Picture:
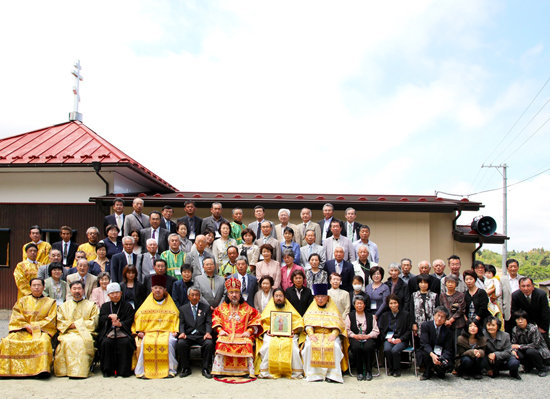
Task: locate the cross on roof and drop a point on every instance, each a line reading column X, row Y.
column 75, row 115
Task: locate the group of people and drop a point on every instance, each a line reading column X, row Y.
column 265, row 300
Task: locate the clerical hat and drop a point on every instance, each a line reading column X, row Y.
column 320, row 289
column 233, row 284
column 157, row 279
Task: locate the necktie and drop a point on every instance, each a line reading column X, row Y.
column 437, row 334
column 153, row 235
column 350, row 231
column 528, row 300
column 338, row 269
column 65, row 250
column 119, row 221
column 305, row 228
column 195, row 312
column 259, row 230
column 244, row 284
column 310, row 250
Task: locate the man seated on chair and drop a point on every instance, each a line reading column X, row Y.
column 325, row 352
column 274, row 349
column 436, row 343
column 156, row 324
column 195, row 329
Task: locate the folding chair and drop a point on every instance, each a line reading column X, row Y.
column 377, row 364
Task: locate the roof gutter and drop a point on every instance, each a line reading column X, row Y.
column 97, row 168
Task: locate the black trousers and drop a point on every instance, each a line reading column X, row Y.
column 470, row 365
column 124, row 349
column 530, row 358
column 183, row 350
column 362, row 356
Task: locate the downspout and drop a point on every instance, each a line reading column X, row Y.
column 454, row 220
column 474, row 253
column 97, row 168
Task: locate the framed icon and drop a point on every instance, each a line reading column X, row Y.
column 281, row 324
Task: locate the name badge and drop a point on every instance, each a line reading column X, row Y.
column 178, row 272
column 245, row 296
column 373, row 305
column 389, row 335
column 152, row 272
column 192, row 235
column 438, row 350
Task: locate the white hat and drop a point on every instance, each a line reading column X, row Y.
column 113, row 287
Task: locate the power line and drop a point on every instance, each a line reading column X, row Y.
column 529, row 138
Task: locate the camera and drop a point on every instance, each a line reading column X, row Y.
column 444, row 362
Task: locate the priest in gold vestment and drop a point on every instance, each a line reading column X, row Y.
column 156, row 325
column 325, row 351
column 76, row 322
column 43, row 247
column 279, row 356
column 236, row 323
column 26, row 270
column 27, row 350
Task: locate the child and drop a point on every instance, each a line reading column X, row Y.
column 494, row 292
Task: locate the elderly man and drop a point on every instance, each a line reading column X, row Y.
column 351, row 227
column 121, row 260
column 26, row 270
column 160, row 270
column 534, row 302
column 273, row 348
column 76, row 322
column 343, row 268
column 89, row 281
column 324, row 224
column 174, row 257
column 454, row 265
column 306, row 225
column 256, row 226
column 195, row 329
column 439, row 269
column 338, row 240
column 436, row 344
column 311, row 247
column 266, row 238
column 136, row 220
column 284, row 217
column 424, row 269
column 237, row 225
column 510, row 284
column 230, row 267
column 89, row 248
column 115, row 341
column 93, row 267
column 213, row 222
column 237, row 323
column 42, row 247
column 192, row 222
column 166, row 221
column 117, row 218
column 66, row 247
column 27, row 350
column 155, row 232
column 362, row 265
column 145, row 262
column 325, row 351
column 198, row 253
column 156, row 325
column 210, row 284
column 364, row 234
column 406, row 266
column 249, row 283
column 55, row 257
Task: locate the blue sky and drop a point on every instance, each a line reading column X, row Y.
column 323, row 97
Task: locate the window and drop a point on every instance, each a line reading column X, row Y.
column 4, row 247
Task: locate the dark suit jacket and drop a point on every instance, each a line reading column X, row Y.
column 171, row 226
column 146, row 286
column 209, row 223
column 251, row 287
column 347, row 273
column 403, row 325
column 481, row 301
column 197, row 221
column 118, row 262
column 428, row 339
column 435, row 285
column 538, row 312
column 301, row 304
column 162, row 239
column 321, row 224
column 203, row 324
column 138, row 291
column 72, row 251
column 356, row 228
column 402, row 291
column 111, row 219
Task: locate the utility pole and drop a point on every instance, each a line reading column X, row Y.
column 504, row 211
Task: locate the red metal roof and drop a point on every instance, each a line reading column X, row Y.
column 71, row 143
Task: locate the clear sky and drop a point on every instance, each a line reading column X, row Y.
column 371, row 97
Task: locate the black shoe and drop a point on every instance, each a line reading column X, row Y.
column 424, row 377
column 478, row 377
column 465, row 377
column 397, row 373
column 369, row 376
column 106, row 375
column 543, row 373
column 185, row 373
column 206, row 373
column 516, row 376
column 360, row 377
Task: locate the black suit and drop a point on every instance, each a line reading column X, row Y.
column 538, row 311
column 195, row 331
column 197, row 223
column 303, row 302
column 251, row 287
column 111, row 219
column 146, row 287
column 347, row 273
column 428, row 340
column 118, row 263
column 435, row 285
column 356, row 228
column 321, row 224
column 137, row 291
column 168, row 225
column 71, row 251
